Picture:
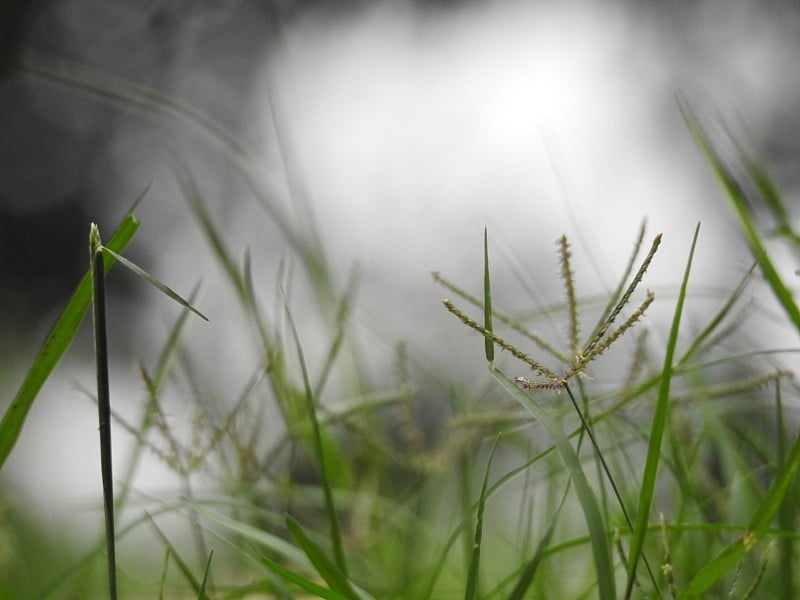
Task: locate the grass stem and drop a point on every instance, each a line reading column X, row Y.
column 103, row 399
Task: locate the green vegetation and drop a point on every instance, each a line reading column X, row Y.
column 673, row 480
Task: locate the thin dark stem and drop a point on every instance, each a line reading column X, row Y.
column 607, row 471
column 104, row 410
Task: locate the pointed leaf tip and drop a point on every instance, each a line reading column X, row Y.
column 487, row 299
column 95, row 243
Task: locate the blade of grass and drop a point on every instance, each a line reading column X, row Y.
column 271, row 586
column 155, row 282
column 647, row 490
column 738, row 200
column 586, row 497
column 487, row 303
column 718, row 317
column 58, row 341
column 591, row 511
column 248, row 532
column 474, row 567
column 164, row 569
column 606, row 470
column 103, row 399
column 201, row 594
column 330, row 507
column 786, row 514
column 330, row 572
column 303, row 582
column 182, row 565
column 194, row 199
column 466, row 521
column 343, row 309
column 769, row 193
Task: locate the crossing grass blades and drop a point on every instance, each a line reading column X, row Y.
column 98, row 270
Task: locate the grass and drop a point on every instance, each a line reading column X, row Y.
column 669, row 474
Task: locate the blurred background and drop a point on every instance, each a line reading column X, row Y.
column 389, row 134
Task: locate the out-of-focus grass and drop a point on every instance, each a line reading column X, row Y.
column 353, row 500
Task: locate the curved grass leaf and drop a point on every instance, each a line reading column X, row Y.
column 740, row 204
column 330, row 572
column 58, row 341
column 303, row 582
column 201, row 593
column 182, row 564
column 321, row 452
column 253, row 534
column 586, row 497
column 155, row 282
column 163, row 584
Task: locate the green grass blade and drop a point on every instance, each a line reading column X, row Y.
column 155, row 282
column 586, row 497
column 329, row 571
column 182, row 565
column 738, row 200
column 769, row 194
column 343, row 310
column 475, row 562
column 303, row 582
column 487, row 299
column 718, row 318
column 57, row 343
column 466, row 522
column 201, row 594
column 319, row 448
column 164, row 570
column 647, row 490
column 120, row 92
column 213, row 237
column 786, row 514
column 777, row 492
column 248, row 532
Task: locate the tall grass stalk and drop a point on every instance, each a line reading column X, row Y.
column 103, row 400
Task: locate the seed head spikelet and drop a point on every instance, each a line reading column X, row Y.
column 569, row 285
column 601, row 331
column 472, row 324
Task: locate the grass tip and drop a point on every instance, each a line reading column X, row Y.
column 95, row 243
